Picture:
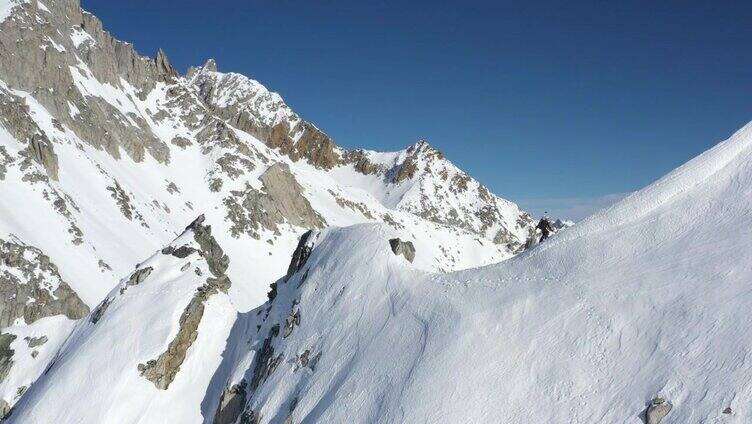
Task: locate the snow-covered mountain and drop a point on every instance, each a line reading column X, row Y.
column 188, row 249
column 639, row 312
column 106, row 155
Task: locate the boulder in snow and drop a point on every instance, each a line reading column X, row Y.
column 657, row 410
column 404, row 248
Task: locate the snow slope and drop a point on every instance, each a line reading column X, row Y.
column 646, row 299
column 135, row 324
column 105, row 155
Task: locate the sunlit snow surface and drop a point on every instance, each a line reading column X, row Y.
column 648, row 298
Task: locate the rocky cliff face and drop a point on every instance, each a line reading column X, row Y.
column 105, row 154
column 31, row 287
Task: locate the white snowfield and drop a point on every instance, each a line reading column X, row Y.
column 649, row 298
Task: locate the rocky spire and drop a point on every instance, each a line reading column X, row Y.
column 164, row 68
column 210, row 65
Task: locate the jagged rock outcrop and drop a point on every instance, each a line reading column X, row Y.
column 31, row 287
column 231, row 404
column 657, row 410
column 77, row 50
column 16, row 118
column 6, row 354
column 281, row 200
column 162, row 371
column 302, row 252
column 291, row 321
column 100, row 310
column 139, row 276
column 266, row 361
column 164, row 69
column 404, row 248
column 43, row 153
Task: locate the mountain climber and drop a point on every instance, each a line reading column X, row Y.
column 545, row 226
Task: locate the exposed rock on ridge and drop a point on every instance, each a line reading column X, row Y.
column 403, row 248
column 163, row 370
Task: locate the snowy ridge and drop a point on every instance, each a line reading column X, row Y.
column 105, row 155
column 117, row 354
column 591, row 326
column 233, row 89
column 389, row 301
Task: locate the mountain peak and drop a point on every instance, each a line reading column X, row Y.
column 424, row 148
column 210, row 65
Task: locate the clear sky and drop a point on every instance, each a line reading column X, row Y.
column 552, row 105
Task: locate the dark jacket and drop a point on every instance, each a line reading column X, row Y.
column 545, row 226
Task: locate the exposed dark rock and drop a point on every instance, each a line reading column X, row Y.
column 290, row 322
column 356, row 206
column 727, row 410
column 280, row 201
column 139, row 276
column 124, row 202
column 183, row 252
column 165, row 71
column 6, row 354
column 5, row 160
column 657, row 410
column 210, row 249
column 43, row 153
column 404, row 248
column 162, row 371
column 104, row 265
column 231, row 404
column 406, row 170
column 4, row 409
column 172, row 188
column 301, row 253
column 35, row 341
column 266, row 362
column 293, row 404
column 100, row 310
column 361, row 163
column 233, row 165
column 272, row 293
column 31, row 287
column 304, row 360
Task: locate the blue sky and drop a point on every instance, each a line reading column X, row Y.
column 551, row 106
